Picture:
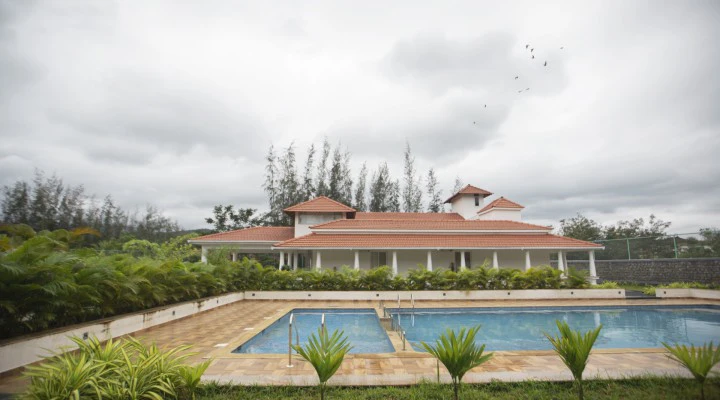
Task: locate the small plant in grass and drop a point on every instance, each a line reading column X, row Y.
column 458, row 353
column 574, row 348
column 699, row 361
column 325, row 353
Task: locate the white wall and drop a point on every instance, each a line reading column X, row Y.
column 464, row 205
column 512, row 215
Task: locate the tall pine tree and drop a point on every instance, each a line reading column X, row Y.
column 308, row 188
column 321, row 185
column 360, row 203
column 411, row 193
column 380, row 188
column 435, row 203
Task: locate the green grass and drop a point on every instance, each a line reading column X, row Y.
column 645, row 389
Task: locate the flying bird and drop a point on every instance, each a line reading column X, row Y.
column 531, row 50
column 485, row 105
column 527, row 89
column 519, row 91
column 527, row 45
column 533, row 57
column 545, row 65
column 516, row 76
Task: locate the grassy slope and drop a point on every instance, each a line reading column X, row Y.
column 645, row 389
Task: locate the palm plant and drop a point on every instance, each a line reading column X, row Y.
column 574, row 348
column 458, row 353
column 325, row 353
column 699, row 361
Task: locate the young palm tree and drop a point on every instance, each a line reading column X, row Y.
column 574, row 349
column 459, row 353
column 699, row 361
column 325, row 353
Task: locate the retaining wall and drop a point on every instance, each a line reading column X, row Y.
column 655, row 271
column 27, row 349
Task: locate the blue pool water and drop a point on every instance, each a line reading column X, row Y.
column 361, row 326
column 522, row 328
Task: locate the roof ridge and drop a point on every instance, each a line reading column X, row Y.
column 348, row 208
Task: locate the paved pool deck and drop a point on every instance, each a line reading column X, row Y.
column 215, row 333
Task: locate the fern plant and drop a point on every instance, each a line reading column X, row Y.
column 698, row 360
column 458, row 353
column 325, row 353
column 574, row 348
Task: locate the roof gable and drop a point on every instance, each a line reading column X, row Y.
column 469, row 189
column 500, row 202
column 320, row 204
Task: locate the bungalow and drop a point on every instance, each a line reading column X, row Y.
column 329, row 234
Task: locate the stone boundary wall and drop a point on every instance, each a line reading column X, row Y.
column 655, row 271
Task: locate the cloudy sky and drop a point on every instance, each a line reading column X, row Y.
column 175, row 103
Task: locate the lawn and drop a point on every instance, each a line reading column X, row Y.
column 645, row 389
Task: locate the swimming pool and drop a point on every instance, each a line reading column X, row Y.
column 522, row 328
column 362, row 327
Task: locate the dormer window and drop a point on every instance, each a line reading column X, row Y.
column 477, row 200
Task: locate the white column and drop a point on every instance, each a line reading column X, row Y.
column 527, row 260
column 281, row 262
column 357, row 260
column 495, row 260
column 203, row 254
column 593, row 272
column 561, row 263
column 462, row 261
column 234, row 256
column 567, row 266
column 394, row 263
column 295, row 261
column 318, row 260
column 429, row 261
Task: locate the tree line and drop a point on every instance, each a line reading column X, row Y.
column 48, row 203
column 327, row 172
column 645, row 238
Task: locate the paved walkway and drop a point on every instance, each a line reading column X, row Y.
column 215, row 333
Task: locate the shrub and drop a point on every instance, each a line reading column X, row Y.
column 699, row 361
column 574, row 349
column 608, row 285
column 325, row 353
column 124, row 369
column 458, row 353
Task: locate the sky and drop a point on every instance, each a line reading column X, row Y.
column 175, row 103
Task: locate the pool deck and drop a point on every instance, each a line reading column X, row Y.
column 215, row 333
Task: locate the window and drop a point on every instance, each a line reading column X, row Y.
column 315, row 219
column 377, row 259
column 477, row 200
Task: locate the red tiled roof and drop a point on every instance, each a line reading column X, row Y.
column 320, row 204
column 434, row 241
column 470, row 189
column 255, row 234
column 409, row 216
column 501, row 203
column 429, row 225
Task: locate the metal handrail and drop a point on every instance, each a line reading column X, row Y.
column 290, row 325
column 412, row 301
column 322, row 322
